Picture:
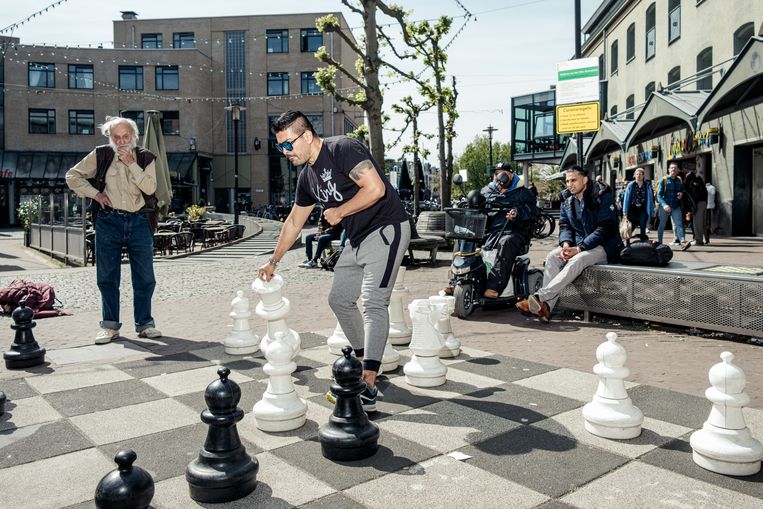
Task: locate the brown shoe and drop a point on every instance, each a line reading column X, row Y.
column 448, row 290
column 490, row 294
column 523, row 306
column 685, row 246
column 539, row 308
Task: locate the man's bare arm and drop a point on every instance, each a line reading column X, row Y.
column 292, row 227
column 372, row 189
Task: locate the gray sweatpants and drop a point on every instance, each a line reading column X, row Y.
column 368, row 271
column 558, row 274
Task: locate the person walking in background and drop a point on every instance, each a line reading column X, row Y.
column 669, row 193
column 125, row 176
column 695, row 187
column 638, row 203
column 710, row 211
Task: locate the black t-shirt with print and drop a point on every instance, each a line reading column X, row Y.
column 327, row 181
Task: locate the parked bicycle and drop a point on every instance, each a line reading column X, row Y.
column 544, row 226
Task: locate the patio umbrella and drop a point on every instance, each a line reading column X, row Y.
column 406, row 185
column 153, row 140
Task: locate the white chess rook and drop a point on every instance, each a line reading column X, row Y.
column 725, row 444
column 274, row 307
column 612, row 414
column 280, row 408
column 241, row 340
column 399, row 333
column 425, row 369
column 452, row 346
column 337, row 340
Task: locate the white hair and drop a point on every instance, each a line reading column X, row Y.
column 112, row 121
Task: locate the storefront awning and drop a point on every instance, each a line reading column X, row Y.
column 570, row 154
column 665, row 112
column 611, row 137
column 740, row 87
column 37, row 165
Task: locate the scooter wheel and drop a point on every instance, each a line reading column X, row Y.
column 465, row 303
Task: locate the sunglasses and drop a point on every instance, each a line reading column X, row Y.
column 288, row 145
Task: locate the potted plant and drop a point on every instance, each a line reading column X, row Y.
column 28, row 212
column 195, row 212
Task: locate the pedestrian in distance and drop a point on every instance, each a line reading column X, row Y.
column 695, row 187
column 123, row 210
column 342, row 176
column 670, row 191
column 638, row 203
column 711, row 195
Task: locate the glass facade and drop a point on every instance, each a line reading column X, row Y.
column 533, row 133
column 235, row 86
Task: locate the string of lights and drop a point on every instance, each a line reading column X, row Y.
column 13, row 26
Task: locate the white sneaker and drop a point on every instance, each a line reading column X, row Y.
column 105, row 336
column 150, row 333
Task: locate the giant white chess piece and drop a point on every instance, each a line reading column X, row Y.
column 612, row 414
column 274, row 307
column 241, row 340
column 337, row 340
column 399, row 333
column 452, row 346
column 390, row 358
column 425, row 369
column 724, row 444
column 280, row 408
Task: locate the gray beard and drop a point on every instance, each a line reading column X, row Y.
column 132, row 145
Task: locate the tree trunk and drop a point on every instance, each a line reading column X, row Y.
column 444, row 178
column 416, row 183
column 375, row 100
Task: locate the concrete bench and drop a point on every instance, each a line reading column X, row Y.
column 423, row 243
column 692, row 294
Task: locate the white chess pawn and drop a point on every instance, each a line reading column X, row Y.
column 241, row 340
column 390, row 358
column 452, row 346
column 337, row 340
column 274, row 307
column 725, row 444
column 399, row 333
column 612, row 414
column 425, row 369
column 280, row 408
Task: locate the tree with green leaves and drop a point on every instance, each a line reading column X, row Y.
column 476, row 160
column 411, row 112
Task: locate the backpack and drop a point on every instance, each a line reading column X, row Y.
column 39, row 297
column 645, row 252
column 329, row 262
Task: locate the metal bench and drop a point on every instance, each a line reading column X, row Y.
column 693, row 294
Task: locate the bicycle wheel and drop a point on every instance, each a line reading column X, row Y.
column 545, row 227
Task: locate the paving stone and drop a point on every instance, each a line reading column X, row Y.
column 251, row 393
column 102, row 397
column 153, row 366
column 17, row 388
column 457, row 384
column 85, row 377
column 216, row 354
column 431, row 482
column 317, row 415
column 27, row 411
column 335, row 501
column 682, row 409
column 310, row 340
column 194, row 380
column 503, row 368
column 566, row 382
column 39, row 441
column 118, row 349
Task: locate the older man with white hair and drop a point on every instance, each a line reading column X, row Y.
column 122, row 201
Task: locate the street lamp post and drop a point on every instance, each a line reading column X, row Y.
column 236, row 114
column 490, row 130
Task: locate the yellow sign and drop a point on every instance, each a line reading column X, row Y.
column 577, row 118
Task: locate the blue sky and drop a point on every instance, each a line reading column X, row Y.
column 508, row 48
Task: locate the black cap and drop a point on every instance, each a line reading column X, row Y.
column 504, row 167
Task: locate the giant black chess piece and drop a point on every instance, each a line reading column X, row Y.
column 349, row 435
column 127, row 487
column 24, row 352
column 223, row 472
column 2, row 402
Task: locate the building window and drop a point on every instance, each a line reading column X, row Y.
column 602, row 68
column 138, row 117
column 42, row 75
column 277, row 41
column 310, row 39
column 613, row 58
column 742, row 35
column 151, row 41
column 630, row 43
column 42, row 121
column 235, row 88
column 674, row 75
column 674, row 20
column 648, row 90
column 80, row 76
column 167, row 77
column 349, row 126
column 278, row 83
column 629, row 103
column 317, row 121
column 81, row 122
column 171, row 123
column 651, row 32
column 309, row 85
column 613, row 111
column 704, row 63
column 183, row 40
column 130, row 77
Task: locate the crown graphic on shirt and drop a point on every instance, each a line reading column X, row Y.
column 326, row 175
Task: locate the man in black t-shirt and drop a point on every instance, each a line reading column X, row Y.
column 341, row 175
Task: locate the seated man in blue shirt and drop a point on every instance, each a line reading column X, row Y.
column 588, row 235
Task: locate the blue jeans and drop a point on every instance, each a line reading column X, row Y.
column 114, row 230
column 323, row 241
column 676, row 216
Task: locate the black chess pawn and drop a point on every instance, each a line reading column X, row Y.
column 2, row 402
column 24, row 352
column 349, row 435
column 127, row 487
column 223, row 472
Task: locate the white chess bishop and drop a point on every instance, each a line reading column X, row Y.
column 425, row 369
column 337, row 340
column 611, row 413
column 725, row 444
column 274, row 307
column 241, row 340
column 399, row 333
column 451, row 345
